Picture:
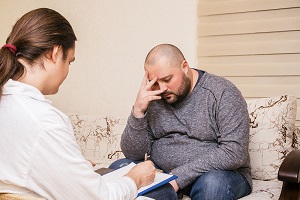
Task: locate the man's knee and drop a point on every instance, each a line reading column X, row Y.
column 120, row 163
column 217, row 183
column 211, row 180
column 211, row 185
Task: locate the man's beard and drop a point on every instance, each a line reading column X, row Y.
column 182, row 92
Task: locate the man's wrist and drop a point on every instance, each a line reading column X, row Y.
column 137, row 114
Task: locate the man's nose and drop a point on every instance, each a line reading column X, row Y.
column 162, row 86
column 158, row 86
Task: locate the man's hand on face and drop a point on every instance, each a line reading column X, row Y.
column 145, row 95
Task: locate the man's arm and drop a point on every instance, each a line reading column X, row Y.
column 136, row 141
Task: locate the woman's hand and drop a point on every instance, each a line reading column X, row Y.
column 142, row 174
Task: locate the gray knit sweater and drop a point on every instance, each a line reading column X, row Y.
column 208, row 130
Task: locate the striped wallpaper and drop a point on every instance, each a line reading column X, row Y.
column 253, row 43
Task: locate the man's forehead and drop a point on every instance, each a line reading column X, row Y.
column 160, row 72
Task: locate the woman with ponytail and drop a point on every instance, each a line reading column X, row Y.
column 39, row 154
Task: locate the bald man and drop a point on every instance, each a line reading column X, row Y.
column 193, row 124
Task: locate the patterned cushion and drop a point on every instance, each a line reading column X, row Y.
column 99, row 137
column 271, row 134
column 264, row 190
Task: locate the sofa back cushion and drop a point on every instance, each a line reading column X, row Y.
column 99, row 137
column 272, row 134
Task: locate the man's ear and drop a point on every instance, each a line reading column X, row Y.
column 185, row 66
column 54, row 53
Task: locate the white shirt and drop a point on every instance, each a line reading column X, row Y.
column 39, row 155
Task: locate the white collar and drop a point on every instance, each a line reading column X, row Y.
column 18, row 88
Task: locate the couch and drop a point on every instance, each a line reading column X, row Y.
column 273, row 147
column 273, row 136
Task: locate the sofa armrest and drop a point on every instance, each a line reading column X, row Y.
column 289, row 170
column 289, row 174
column 9, row 196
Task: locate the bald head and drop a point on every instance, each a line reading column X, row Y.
column 166, row 53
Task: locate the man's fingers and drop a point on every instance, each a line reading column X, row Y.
column 149, row 85
column 156, row 92
column 151, row 98
column 145, row 80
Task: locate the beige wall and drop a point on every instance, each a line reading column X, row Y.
column 114, row 37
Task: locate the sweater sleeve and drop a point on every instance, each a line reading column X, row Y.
column 135, row 140
column 231, row 152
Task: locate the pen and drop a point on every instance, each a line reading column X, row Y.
column 147, row 156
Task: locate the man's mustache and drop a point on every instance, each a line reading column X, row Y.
column 166, row 93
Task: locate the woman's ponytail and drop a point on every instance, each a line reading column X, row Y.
column 33, row 35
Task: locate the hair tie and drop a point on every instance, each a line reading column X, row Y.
column 11, row 47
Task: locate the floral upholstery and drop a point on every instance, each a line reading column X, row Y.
column 272, row 123
column 272, row 136
column 263, row 190
column 99, row 137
